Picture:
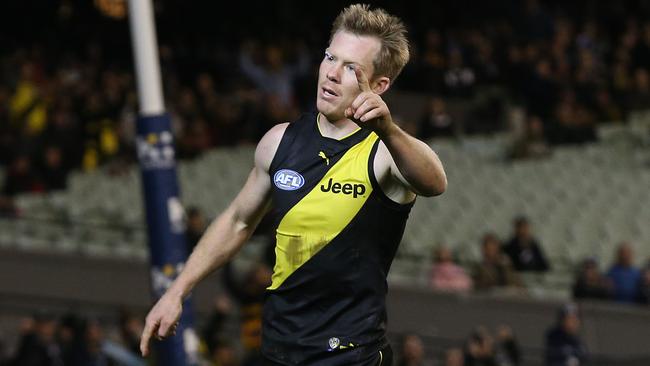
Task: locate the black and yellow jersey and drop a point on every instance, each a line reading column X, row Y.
column 336, row 236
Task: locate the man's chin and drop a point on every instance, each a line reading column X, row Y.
column 328, row 111
column 332, row 117
column 324, row 109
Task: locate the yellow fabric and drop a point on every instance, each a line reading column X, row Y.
column 22, row 98
column 108, row 139
column 320, row 216
column 90, row 159
column 24, row 101
column 37, row 119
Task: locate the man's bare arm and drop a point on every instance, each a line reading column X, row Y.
column 223, row 238
column 412, row 162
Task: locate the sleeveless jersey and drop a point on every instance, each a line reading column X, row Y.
column 336, row 237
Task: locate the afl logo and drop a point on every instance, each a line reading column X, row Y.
column 288, row 180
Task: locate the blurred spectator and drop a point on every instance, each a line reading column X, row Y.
column 436, row 121
column 130, row 327
column 495, row 269
column 7, row 207
column 542, row 89
column 590, row 283
column 196, row 225
column 532, row 143
column 249, row 293
column 644, row 285
column 92, row 354
column 38, row 345
column 21, row 177
column 101, row 350
column 26, row 107
column 212, row 333
column 479, row 349
column 274, row 75
column 573, row 122
column 64, row 131
column 432, row 63
column 535, row 21
column 459, row 79
column 563, row 344
column 606, row 108
column 70, row 337
column 225, row 354
column 412, row 352
column 524, row 250
column 624, row 275
column 641, row 51
column 447, row 275
column 54, row 171
column 194, row 139
column 483, row 349
column 507, row 347
column 639, row 97
column 454, row 357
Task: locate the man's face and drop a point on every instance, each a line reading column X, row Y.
column 337, row 82
column 413, row 349
column 523, row 230
column 491, row 250
column 625, row 256
column 571, row 324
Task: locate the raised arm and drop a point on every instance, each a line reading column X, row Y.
column 223, row 238
column 410, row 161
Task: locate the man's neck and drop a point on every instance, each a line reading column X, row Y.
column 338, row 129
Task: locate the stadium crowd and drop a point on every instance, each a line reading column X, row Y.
column 73, row 339
column 68, row 102
column 502, row 265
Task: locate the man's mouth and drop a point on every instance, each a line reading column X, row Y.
column 328, row 92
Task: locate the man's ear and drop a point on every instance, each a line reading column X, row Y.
column 380, row 85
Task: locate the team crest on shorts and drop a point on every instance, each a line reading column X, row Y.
column 288, row 180
column 334, row 342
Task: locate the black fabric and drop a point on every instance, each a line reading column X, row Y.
column 340, row 292
column 382, row 358
column 375, row 184
column 331, row 310
column 299, row 151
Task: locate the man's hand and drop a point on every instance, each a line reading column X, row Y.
column 368, row 110
column 162, row 320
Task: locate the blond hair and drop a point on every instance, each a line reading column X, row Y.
column 360, row 20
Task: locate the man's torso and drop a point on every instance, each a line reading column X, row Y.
column 336, row 236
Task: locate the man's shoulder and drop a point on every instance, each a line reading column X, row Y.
column 276, row 132
column 268, row 145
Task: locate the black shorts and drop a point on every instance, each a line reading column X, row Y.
column 383, row 358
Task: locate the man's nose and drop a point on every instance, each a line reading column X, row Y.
column 333, row 74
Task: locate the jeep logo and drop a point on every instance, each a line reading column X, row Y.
column 354, row 189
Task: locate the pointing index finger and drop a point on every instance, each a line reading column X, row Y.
column 146, row 337
column 362, row 80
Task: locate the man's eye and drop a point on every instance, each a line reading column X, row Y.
column 349, row 67
column 329, row 57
